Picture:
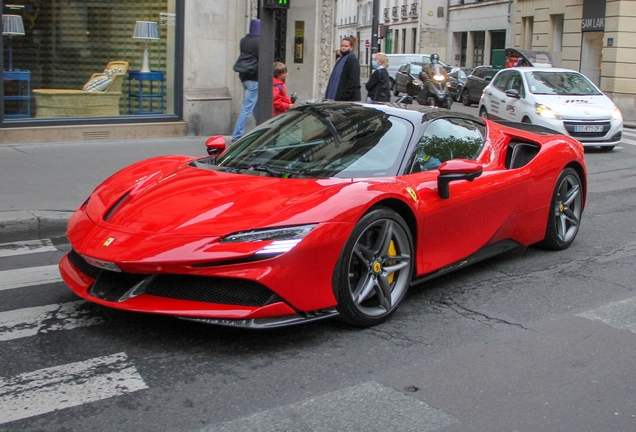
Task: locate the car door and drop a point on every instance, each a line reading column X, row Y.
column 495, row 96
column 402, row 77
column 483, row 79
column 454, row 228
column 514, row 100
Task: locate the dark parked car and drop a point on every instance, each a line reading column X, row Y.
column 407, row 79
column 475, row 83
column 457, row 80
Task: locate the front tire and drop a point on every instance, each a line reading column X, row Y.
column 374, row 270
column 566, row 209
column 483, row 113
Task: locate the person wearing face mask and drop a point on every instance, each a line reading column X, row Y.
column 344, row 82
column 379, row 85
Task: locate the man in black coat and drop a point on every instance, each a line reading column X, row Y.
column 249, row 46
column 344, row 82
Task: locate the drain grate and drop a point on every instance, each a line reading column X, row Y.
column 96, row 135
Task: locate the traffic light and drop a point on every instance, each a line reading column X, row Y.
column 276, row 4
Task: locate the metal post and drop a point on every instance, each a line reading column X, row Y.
column 266, row 66
column 375, row 28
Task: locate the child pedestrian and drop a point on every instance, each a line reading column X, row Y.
column 282, row 102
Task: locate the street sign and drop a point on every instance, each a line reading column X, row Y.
column 367, row 44
column 276, row 4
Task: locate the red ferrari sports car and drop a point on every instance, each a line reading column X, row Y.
column 330, row 209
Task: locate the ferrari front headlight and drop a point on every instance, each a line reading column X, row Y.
column 282, row 239
column 545, row 112
column 616, row 114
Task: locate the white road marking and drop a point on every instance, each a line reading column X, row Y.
column 377, row 407
column 21, row 323
column 26, row 247
column 620, row 314
column 46, row 390
column 18, row 278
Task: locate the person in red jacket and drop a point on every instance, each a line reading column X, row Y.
column 282, row 102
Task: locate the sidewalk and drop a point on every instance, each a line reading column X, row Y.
column 43, row 183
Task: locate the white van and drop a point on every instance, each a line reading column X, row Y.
column 397, row 60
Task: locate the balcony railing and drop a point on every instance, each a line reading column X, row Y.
column 413, row 12
column 386, row 14
column 395, row 12
column 405, row 11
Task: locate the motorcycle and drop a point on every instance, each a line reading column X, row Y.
column 436, row 92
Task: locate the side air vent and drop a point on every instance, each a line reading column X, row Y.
column 114, row 207
column 520, row 153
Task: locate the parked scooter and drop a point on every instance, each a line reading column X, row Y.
column 436, row 92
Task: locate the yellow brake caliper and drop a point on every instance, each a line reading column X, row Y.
column 392, row 252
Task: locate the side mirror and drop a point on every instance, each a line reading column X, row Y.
column 216, row 145
column 513, row 93
column 488, row 78
column 454, row 170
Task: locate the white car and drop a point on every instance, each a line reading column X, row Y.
column 560, row 99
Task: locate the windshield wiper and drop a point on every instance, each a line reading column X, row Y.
column 270, row 170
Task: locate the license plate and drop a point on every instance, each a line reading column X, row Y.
column 106, row 265
column 588, row 128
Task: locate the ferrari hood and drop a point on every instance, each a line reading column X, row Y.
column 189, row 201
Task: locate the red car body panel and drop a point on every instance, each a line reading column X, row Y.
column 163, row 216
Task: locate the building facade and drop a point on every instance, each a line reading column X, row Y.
column 59, row 50
column 594, row 37
column 475, row 28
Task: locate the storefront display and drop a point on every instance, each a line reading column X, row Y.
column 79, row 56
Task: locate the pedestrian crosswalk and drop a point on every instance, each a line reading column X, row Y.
column 629, row 137
column 41, row 391
column 66, row 382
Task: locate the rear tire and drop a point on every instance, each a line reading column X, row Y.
column 458, row 95
column 374, row 270
column 465, row 97
column 566, row 209
column 483, row 113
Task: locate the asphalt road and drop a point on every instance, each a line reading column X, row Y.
column 535, row 341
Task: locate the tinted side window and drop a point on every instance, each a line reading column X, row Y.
column 501, row 81
column 516, row 83
column 446, row 139
column 479, row 72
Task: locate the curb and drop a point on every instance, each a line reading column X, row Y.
column 22, row 225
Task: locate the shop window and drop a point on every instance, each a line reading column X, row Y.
column 67, row 42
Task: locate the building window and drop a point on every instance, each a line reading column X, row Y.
column 67, row 42
column 414, row 33
column 396, row 47
column 557, row 32
column 479, row 42
column 403, row 41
